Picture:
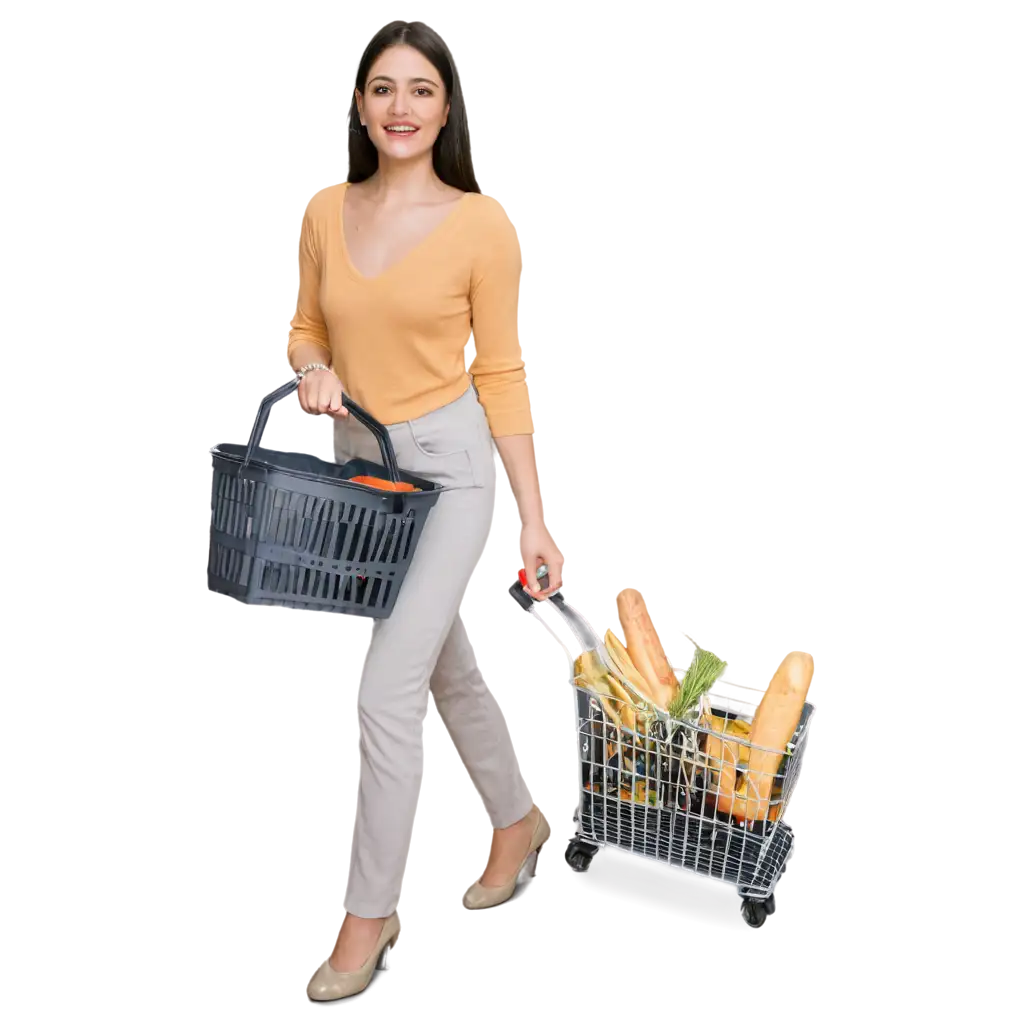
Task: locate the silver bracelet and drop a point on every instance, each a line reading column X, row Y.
column 303, row 370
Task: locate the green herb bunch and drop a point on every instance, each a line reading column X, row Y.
column 704, row 669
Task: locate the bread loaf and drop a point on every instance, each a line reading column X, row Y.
column 777, row 716
column 644, row 647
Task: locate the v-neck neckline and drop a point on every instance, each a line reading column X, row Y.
column 355, row 272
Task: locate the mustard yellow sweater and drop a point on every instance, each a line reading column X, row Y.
column 397, row 341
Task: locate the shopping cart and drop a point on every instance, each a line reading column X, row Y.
column 666, row 788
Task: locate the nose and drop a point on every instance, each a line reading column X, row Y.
column 399, row 106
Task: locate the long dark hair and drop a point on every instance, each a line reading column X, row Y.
column 453, row 163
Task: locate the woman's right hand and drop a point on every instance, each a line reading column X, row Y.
column 320, row 391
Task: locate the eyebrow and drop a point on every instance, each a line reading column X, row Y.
column 385, row 78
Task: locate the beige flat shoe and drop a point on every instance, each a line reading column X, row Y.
column 328, row 983
column 478, row 896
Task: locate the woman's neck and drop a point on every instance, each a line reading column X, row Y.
column 403, row 181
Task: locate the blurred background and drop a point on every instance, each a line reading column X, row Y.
column 771, row 317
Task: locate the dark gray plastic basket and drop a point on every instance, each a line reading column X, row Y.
column 290, row 529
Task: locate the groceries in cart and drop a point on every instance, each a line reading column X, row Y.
column 681, row 743
column 682, row 767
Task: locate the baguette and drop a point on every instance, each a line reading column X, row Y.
column 776, row 718
column 723, row 757
column 644, row 647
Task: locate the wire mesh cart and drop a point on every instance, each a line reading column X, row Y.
column 667, row 788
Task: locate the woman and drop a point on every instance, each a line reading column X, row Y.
column 396, row 265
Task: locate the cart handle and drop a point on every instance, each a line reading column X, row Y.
column 583, row 633
column 379, row 432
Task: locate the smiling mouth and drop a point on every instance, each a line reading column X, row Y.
column 401, row 129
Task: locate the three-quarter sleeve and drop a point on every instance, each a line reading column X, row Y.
column 307, row 326
column 498, row 369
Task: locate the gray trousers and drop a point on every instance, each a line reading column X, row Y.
column 422, row 646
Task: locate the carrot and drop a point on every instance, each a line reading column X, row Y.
column 382, row 484
column 777, row 717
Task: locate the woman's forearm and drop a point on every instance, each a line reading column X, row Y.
column 517, row 453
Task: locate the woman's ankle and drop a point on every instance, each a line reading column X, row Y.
column 358, row 929
column 355, row 942
column 530, row 815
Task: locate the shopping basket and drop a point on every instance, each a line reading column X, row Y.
column 290, row 529
column 658, row 789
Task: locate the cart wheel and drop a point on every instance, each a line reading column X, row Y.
column 578, row 857
column 769, row 904
column 754, row 913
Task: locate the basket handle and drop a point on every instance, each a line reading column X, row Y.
column 380, row 432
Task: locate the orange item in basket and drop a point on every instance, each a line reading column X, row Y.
column 384, row 485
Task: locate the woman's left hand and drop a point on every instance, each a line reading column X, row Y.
column 539, row 549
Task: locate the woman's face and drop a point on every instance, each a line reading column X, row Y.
column 404, row 105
